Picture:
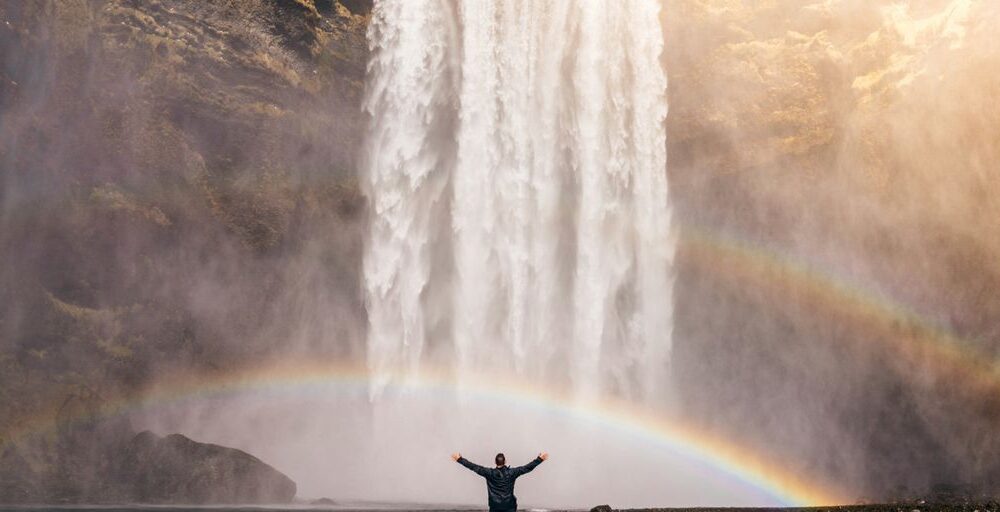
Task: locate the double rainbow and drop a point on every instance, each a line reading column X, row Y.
column 916, row 342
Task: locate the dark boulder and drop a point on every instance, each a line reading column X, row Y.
column 175, row 469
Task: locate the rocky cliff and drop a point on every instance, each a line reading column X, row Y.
column 834, row 169
column 179, row 189
column 169, row 170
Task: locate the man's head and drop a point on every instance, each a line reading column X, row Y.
column 500, row 460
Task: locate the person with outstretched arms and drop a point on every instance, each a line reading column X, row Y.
column 500, row 480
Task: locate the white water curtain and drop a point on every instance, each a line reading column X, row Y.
column 516, row 171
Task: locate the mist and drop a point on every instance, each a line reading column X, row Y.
column 191, row 188
column 847, row 143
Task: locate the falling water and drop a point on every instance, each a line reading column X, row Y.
column 520, row 225
column 516, row 171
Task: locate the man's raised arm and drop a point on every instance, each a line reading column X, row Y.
column 520, row 470
column 457, row 457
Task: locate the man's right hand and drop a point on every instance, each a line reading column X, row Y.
column 455, row 456
column 543, row 456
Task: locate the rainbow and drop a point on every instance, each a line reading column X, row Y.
column 728, row 261
column 685, row 439
column 913, row 342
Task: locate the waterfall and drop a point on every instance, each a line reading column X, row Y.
column 515, row 166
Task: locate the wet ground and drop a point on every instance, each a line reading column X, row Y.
column 987, row 506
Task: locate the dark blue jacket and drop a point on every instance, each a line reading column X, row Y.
column 500, row 482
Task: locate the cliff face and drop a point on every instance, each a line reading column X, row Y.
column 834, row 171
column 169, row 170
column 178, row 188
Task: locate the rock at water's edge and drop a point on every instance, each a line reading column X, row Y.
column 175, row 469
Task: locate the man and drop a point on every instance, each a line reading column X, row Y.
column 500, row 480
